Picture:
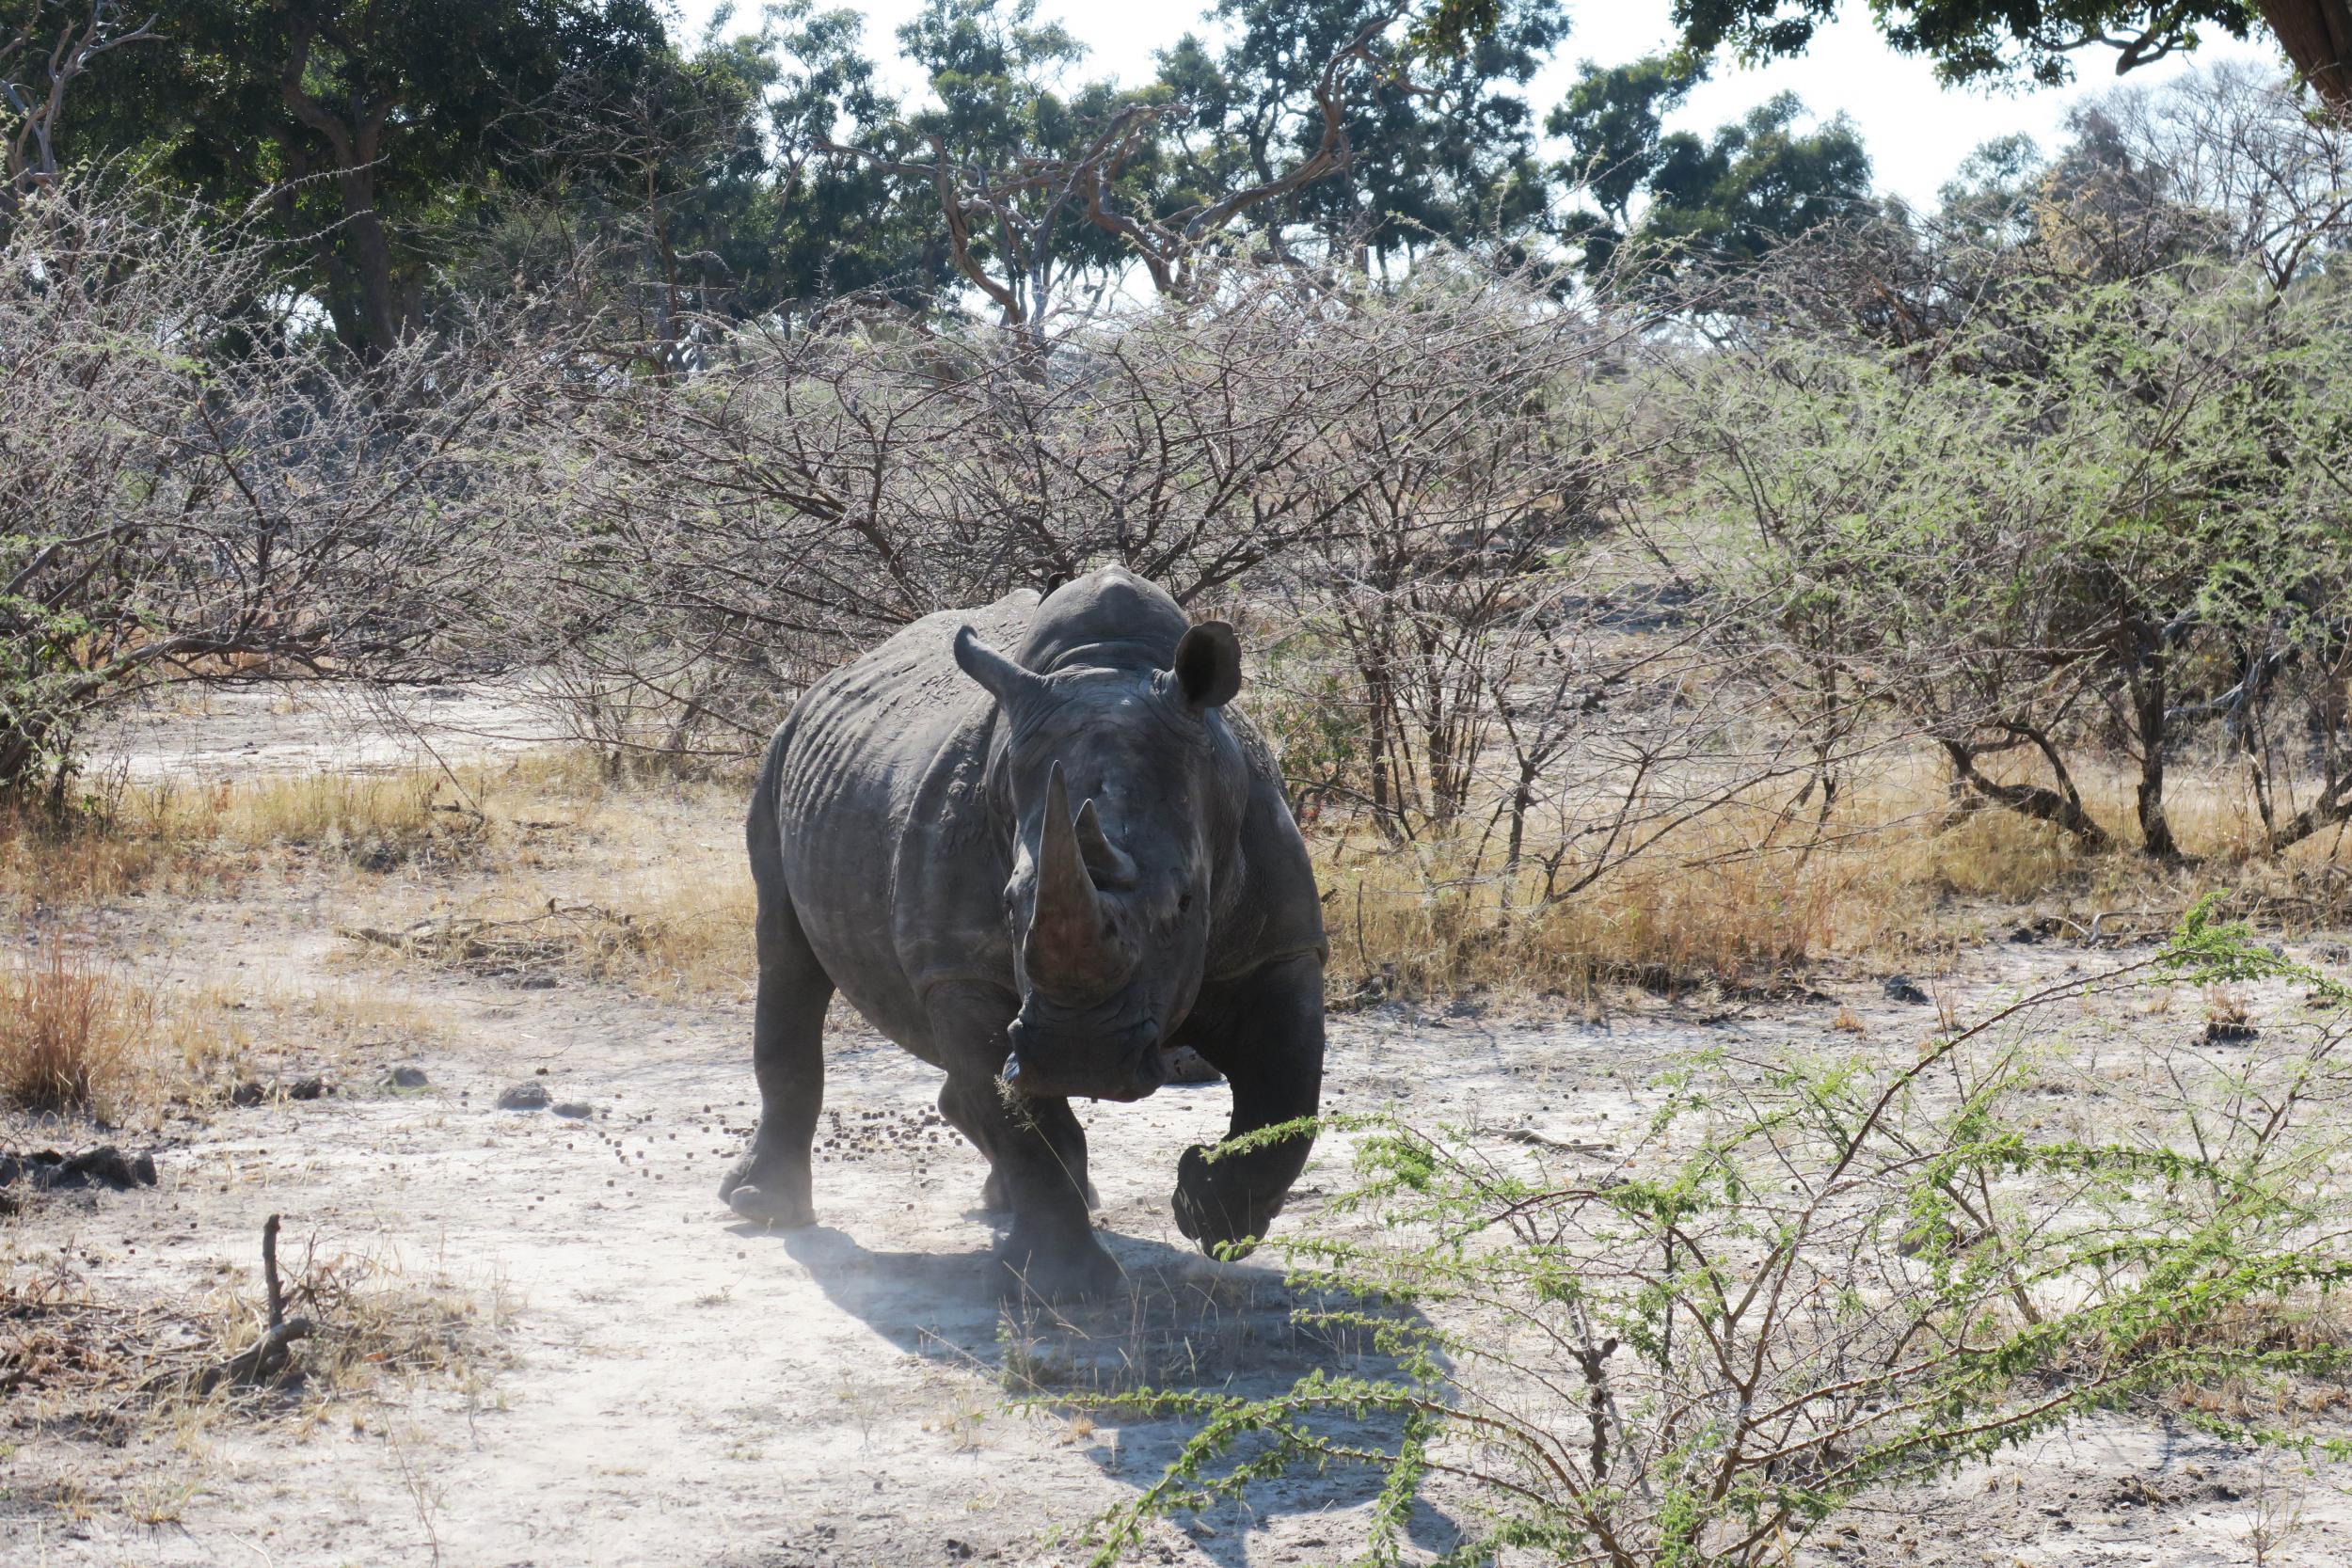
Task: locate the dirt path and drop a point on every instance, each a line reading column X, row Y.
column 305, row 728
column 669, row 1387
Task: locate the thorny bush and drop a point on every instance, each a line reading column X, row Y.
column 196, row 486
column 1811, row 1279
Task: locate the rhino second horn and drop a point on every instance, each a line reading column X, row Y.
column 1106, row 861
column 1067, row 950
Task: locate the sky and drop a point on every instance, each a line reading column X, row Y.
column 1917, row 132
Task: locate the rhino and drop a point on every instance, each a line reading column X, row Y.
column 915, row 847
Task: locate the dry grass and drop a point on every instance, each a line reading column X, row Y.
column 191, row 840
column 1734, row 899
column 649, row 867
column 80, row 1035
column 68, row 1031
column 374, row 1318
column 639, row 881
column 74, row 1352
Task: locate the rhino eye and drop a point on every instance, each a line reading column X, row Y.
column 1184, row 902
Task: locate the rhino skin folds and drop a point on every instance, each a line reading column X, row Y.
column 1034, row 845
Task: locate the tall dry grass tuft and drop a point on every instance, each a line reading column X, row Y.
column 1423, row 921
column 70, row 1031
column 633, row 875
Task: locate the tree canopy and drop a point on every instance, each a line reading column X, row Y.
column 399, row 147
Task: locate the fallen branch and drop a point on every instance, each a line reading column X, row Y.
column 267, row 1357
column 496, row 945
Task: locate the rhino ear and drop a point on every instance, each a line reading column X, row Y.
column 1000, row 676
column 1208, row 666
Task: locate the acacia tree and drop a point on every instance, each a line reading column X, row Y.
column 2034, row 533
column 1713, row 204
column 1006, row 160
column 356, row 121
column 1454, row 129
column 1977, row 39
column 659, row 170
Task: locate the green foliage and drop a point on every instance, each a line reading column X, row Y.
column 1665, row 203
column 1444, row 144
column 1975, row 39
column 1811, row 1279
column 357, row 126
column 2079, row 494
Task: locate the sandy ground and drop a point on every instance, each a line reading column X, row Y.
column 655, row 1382
column 264, row 728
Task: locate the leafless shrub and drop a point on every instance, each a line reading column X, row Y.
column 2241, row 143
column 721, row 540
column 211, row 492
column 41, row 55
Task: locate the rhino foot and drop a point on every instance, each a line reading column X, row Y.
column 1079, row 1272
column 760, row 1207
column 1224, row 1221
column 765, row 1189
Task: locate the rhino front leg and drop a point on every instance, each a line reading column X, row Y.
column 1264, row 1033
column 1036, row 1151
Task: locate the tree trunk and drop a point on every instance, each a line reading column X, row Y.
column 2148, row 687
column 369, row 245
column 1521, row 799
column 2064, row 812
column 354, row 145
column 2318, row 37
column 1387, row 806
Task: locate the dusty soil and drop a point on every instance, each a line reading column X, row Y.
column 232, row 730
column 653, row 1382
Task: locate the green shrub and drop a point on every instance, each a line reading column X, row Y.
column 1812, row 1279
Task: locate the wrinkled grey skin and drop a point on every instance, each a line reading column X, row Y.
column 1038, row 872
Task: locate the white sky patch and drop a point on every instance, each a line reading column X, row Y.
column 1915, row 130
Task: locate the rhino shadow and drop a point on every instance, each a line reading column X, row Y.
column 1182, row 1323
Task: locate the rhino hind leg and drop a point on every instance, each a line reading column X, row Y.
column 770, row 1185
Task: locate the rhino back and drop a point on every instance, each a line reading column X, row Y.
column 880, row 780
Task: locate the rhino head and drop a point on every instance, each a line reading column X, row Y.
column 1109, row 900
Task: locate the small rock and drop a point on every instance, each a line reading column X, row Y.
column 535, row 982
column 307, row 1088
column 1903, row 988
column 2332, row 952
column 528, row 1096
column 405, row 1078
column 579, row 1110
column 102, row 1167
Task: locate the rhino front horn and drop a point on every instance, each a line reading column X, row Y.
column 1068, row 950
